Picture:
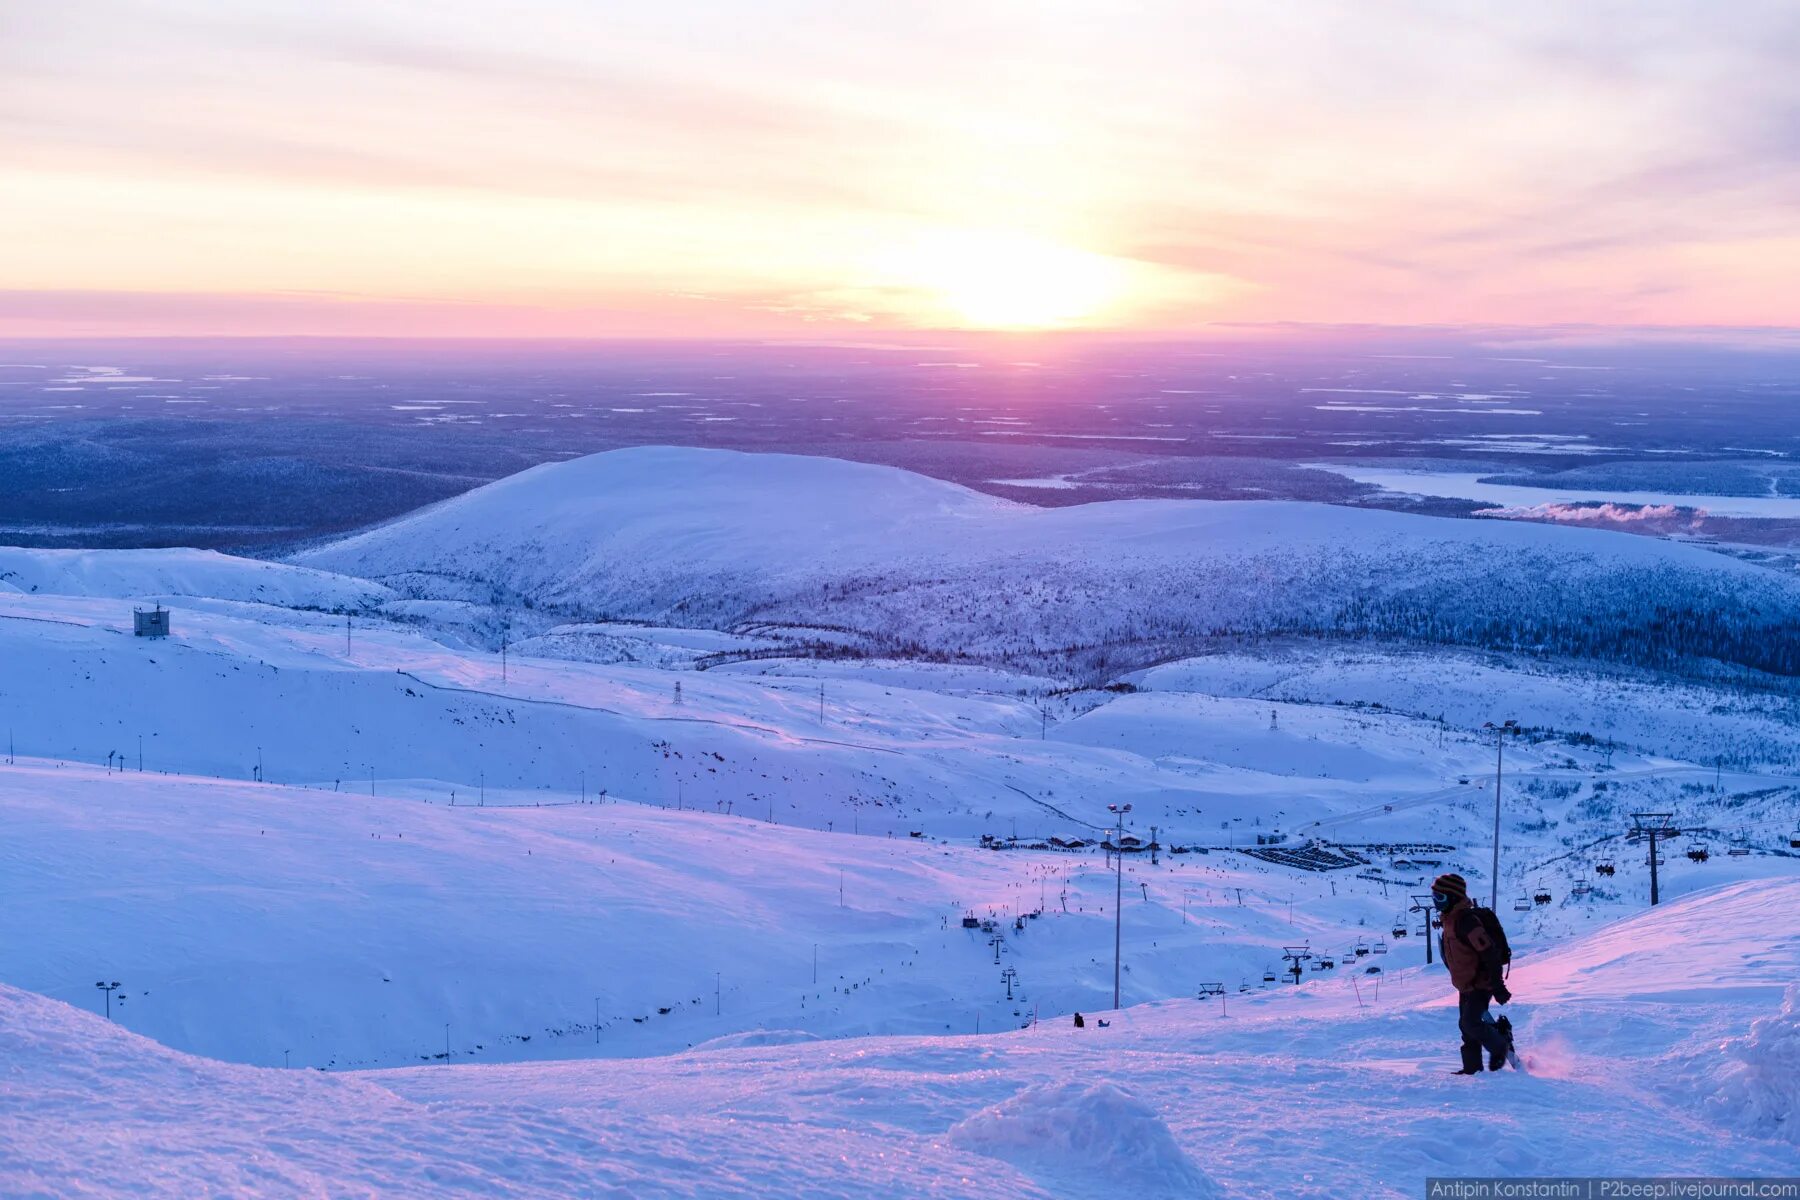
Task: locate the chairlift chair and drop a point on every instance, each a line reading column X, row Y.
column 1606, row 868
column 1581, row 889
column 1522, row 904
column 1541, row 898
column 1360, row 951
column 1699, row 853
column 1330, row 964
column 1268, row 976
column 1794, row 840
column 1380, row 946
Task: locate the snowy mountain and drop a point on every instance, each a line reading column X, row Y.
column 898, row 563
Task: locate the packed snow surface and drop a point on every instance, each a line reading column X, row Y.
column 1334, row 1088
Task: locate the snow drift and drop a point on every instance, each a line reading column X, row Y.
column 1759, row 1091
column 1086, row 1129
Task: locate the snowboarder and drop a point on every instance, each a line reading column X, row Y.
column 1078, row 1021
column 1474, row 951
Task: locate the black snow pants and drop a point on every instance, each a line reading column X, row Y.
column 1477, row 1034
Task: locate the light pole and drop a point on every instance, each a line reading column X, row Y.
column 1118, row 811
column 1500, row 732
column 109, row 989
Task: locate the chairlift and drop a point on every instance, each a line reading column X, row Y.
column 1699, row 853
column 1581, row 889
column 1269, row 976
column 1541, row 898
column 1318, row 964
column 1794, row 840
column 1361, row 951
column 1606, row 868
column 1738, row 851
column 1522, row 904
column 1400, row 931
column 1380, row 946
column 1330, row 964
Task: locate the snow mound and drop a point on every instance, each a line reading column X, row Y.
column 753, row 1038
column 1760, row 1090
column 1080, row 1129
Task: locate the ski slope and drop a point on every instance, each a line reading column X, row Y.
column 1330, row 1090
column 539, row 880
column 316, row 703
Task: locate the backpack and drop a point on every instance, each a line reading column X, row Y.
column 1490, row 921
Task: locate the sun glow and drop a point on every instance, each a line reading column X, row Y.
column 1009, row 281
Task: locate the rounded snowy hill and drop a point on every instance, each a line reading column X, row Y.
column 913, row 564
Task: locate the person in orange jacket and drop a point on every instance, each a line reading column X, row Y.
column 1475, row 962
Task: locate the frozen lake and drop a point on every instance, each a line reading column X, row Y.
column 1461, row 485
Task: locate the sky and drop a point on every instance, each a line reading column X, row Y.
column 809, row 168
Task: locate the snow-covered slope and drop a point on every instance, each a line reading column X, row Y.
column 1332, row 1089
column 155, row 574
column 717, row 537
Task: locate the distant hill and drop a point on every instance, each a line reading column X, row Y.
column 915, row 566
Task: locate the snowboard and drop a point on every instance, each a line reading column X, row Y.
column 1505, row 1027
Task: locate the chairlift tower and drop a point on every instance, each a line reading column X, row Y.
column 1652, row 825
column 1424, row 907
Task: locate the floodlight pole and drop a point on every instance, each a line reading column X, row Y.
column 1500, row 732
column 109, row 989
column 1119, row 811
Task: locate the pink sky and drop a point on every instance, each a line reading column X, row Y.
column 776, row 168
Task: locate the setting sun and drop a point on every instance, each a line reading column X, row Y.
column 1003, row 280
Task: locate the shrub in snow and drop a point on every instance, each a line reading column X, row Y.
column 1088, row 1129
column 1759, row 1092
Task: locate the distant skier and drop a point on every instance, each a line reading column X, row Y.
column 1079, row 1023
column 1474, row 950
